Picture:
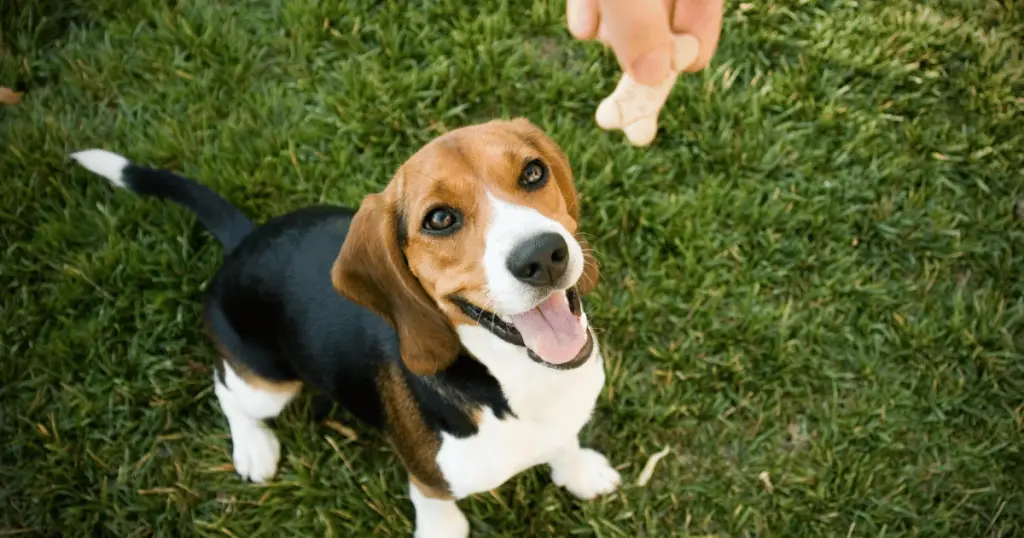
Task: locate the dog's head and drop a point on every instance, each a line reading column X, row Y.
column 479, row 227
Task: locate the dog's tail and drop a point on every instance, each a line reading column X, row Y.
column 225, row 221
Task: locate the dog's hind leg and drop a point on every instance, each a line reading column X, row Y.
column 247, row 400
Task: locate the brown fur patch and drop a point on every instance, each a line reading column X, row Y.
column 261, row 383
column 429, row 492
column 415, row 443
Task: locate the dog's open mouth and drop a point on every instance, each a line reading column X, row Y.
column 552, row 331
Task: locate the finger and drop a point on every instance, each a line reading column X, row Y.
column 638, row 32
column 703, row 20
column 582, row 18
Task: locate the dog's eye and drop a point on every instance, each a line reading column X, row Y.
column 440, row 219
column 534, row 175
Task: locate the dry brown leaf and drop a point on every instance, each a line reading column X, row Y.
column 9, row 96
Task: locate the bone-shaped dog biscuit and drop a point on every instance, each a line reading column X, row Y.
column 634, row 108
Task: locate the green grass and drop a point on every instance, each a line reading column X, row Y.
column 814, row 273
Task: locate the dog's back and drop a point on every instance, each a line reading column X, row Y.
column 274, row 314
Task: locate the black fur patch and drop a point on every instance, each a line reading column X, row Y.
column 448, row 398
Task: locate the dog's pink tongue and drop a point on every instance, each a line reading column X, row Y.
column 551, row 330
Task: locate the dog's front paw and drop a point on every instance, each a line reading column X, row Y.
column 587, row 474
column 256, row 453
column 442, row 524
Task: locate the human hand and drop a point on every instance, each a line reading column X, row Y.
column 640, row 32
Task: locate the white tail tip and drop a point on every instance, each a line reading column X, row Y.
column 102, row 162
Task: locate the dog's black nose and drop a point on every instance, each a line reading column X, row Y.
column 540, row 260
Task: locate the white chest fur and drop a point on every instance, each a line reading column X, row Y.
column 550, row 406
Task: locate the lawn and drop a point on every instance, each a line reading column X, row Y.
column 811, row 288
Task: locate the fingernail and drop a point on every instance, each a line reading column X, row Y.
column 653, row 67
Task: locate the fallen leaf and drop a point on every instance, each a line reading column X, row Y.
column 9, row 96
column 648, row 470
column 767, row 481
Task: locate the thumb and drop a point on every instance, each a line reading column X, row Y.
column 638, row 32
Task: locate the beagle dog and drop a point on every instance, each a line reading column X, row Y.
column 446, row 311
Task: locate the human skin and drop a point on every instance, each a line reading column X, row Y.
column 640, row 32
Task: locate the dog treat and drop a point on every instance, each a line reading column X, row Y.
column 634, row 108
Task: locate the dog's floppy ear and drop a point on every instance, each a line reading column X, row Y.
column 562, row 171
column 371, row 271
